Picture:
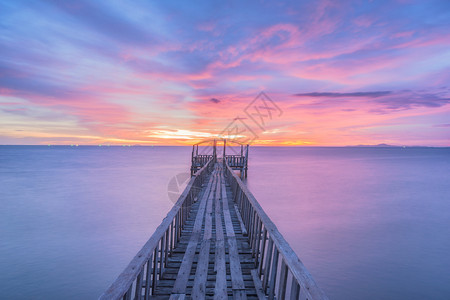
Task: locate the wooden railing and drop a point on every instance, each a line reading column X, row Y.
column 140, row 277
column 235, row 160
column 201, row 160
column 280, row 271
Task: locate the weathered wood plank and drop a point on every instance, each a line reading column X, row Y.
column 220, row 290
column 237, row 281
column 244, row 230
column 186, row 265
column 258, row 285
column 201, row 273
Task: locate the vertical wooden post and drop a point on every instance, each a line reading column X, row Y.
column 283, row 280
column 166, row 248
column 295, row 289
column 246, row 161
column 214, row 152
column 267, row 264
column 258, row 244
column 192, row 160
column 171, row 239
column 224, row 147
column 263, row 250
column 155, row 268
column 127, row 296
column 148, row 277
column 273, row 275
column 161, row 256
column 138, row 290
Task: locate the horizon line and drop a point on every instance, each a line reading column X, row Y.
column 256, row 145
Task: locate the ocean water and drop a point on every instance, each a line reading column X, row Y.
column 368, row 223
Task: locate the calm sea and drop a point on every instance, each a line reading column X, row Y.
column 368, row 223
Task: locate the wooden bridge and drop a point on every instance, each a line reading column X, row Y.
column 216, row 243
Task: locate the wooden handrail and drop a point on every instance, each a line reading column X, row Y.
column 263, row 236
column 158, row 247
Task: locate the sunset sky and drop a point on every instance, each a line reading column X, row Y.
column 176, row 72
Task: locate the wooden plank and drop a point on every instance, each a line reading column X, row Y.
column 226, row 213
column 244, row 230
column 199, row 289
column 220, row 290
column 258, row 285
column 177, row 296
column 186, row 265
column 237, row 282
column 239, row 294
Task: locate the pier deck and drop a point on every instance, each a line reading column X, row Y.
column 216, row 243
column 213, row 259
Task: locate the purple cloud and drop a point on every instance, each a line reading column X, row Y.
column 344, row 95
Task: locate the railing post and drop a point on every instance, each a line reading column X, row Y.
column 148, row 278
column 192, row 160
column 273, row 275
column 255, row 233
column 246, row 161
column 258, row 243
column 295, row 289
column 224, row 148
column 127, row 295
column 267, row 264
column 155, row 268
column 283, row 280
column 138, row 291
column 161, row 255
column 263, row 250
column 171, row 245
column 166, row 253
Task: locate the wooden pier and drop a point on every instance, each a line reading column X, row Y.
column 216, row 243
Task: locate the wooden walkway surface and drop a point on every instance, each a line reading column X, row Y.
column 213, row 259
column 215, row 243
